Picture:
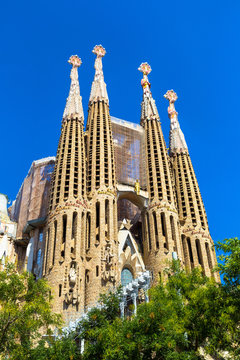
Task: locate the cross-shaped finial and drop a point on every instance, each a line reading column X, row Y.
column 99, row 51
column 75, row 61
column 145, row 68
column 171, row 96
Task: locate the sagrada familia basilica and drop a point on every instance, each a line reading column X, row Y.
column 114, row 206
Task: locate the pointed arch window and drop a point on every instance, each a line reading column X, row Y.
column 126, row 276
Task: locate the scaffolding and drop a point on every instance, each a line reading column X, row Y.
column 129, row 147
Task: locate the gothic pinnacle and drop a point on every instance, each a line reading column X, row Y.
column 177, row 139
column 99, row 90
column 149, row 109
column 74, row 101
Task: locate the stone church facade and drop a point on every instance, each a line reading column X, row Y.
column 113, row 203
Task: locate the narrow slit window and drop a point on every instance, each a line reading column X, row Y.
column 149, row 233
column 47, row 246
column 208, row 256
column 64, row 233
column 199, row 253
column 163, row 224
column 155, row 229
column 88, row 232
column 54, row 242
column 74, row 232
column 173, row 229
column 107, row 217
column 190, row 250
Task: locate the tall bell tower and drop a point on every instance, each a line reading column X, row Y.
column 161, row 218
column 197, row 243
column 65, row 229
column 102, row 245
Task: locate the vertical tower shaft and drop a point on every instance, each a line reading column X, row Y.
column 101, row 247
column 64, row 249
column 161, row 218
column 195, row 237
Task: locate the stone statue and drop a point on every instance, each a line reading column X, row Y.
column 108, row 256
column 72, row 275
column 137, row 187
column 108, row 273
column 68, row 297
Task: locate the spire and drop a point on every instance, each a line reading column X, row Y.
column 149, row 109
column 74, row 101
column 99, row 90
column 177, row 139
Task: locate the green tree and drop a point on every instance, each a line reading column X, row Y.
column 25, row 312
column 186, row 314
column 62, row 348
column 229, row 265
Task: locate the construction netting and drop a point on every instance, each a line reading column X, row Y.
column 32, row 200
column 129, row 147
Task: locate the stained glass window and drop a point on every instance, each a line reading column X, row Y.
column 39, row 253
column 126, row 277
column 40, row 236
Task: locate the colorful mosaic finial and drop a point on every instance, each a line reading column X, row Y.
column 171, row 96
column 177, row 139
column 99, row 51
column 99, row 90
column 145, row 68
column 75, row 61
column 74, row 101
column 149, row 109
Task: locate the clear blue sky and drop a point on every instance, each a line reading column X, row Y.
column 192, row 47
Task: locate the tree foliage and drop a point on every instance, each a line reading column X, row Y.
column 186, row 314
column 229, row 265
column 64, row 348
column 190, row 311
column 24, row 312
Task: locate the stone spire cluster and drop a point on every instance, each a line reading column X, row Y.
column 82, row 256
column 81, row 231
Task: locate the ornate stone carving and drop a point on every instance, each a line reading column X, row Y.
column 72, row 294
column 108, row 273
column 72, row 297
